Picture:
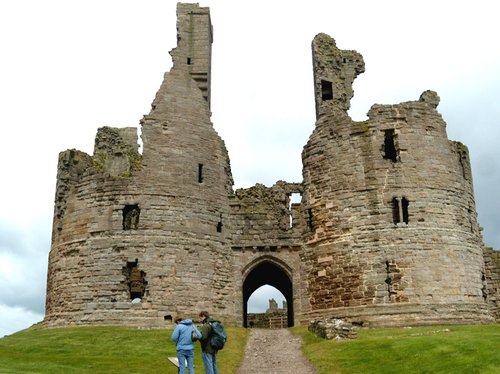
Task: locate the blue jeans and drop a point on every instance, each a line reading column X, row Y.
column 184, row 355
column 210, row 363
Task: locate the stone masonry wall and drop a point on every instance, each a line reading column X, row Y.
column 492, row 280
column 385, row 234
column 136, row 234
column 393, row 215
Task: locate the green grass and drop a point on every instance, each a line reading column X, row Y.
column 105, row 350
column 437, row 349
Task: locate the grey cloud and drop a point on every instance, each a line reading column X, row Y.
column 25, row 250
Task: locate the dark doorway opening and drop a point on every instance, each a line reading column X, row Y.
column 272, row 273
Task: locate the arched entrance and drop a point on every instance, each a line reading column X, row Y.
column 268, row 270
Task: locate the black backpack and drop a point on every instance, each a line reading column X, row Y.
column 218, row 336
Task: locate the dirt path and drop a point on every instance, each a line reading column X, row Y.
column 274, row 351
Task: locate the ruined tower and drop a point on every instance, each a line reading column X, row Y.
column 385, row 233
column 392, row 220
column 130, row 229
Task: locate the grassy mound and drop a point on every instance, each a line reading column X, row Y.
column 107, row 350
column 437, row 349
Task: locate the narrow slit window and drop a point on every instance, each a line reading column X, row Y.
column 389, row 148
column 310, row 219
column 219, row 224
column 404, row 208
column 189, row 60
column 395, row 210
column 200, row 173
column 388, row 279
column 326, row 90
column 293, row 198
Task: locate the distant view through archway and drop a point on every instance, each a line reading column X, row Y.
column 258, row 302
column 267, row 308
column 267, row 296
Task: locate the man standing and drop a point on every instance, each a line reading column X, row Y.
column 208, row 354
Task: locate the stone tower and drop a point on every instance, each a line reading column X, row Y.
column 129, row 229
column 392, row 223
column 386, row 232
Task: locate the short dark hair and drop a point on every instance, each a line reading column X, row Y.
column 178, row 319
column 205, row 314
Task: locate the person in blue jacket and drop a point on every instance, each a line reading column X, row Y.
column 183, row 338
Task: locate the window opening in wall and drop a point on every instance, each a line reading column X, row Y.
column 484, row 288
column 389, row 148
column 310, row 219
column 219, row 224
column 388, row 280
column 293, row 198
column 189, row 60
column 131, row 217
column 136, row 281
column 395, row 210
column 400, row 210
column 404, row 207
column 326, row 90
column 140, row 143
column 200, row 173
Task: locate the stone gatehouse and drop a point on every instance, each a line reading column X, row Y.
column 385, row 232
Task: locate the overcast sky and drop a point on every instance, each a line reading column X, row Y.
column 71, row 66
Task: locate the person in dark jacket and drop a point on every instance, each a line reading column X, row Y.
column 208, row 354
column 184, row 343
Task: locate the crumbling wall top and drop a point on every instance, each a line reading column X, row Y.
column 334, row 73
column 116, row 151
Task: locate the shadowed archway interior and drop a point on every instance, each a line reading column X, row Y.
column 271, row 274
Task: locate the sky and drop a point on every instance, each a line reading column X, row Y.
column 69, row 67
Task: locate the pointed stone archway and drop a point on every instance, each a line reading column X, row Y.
column 271, row 271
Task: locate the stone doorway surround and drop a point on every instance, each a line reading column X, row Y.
column 271, row 271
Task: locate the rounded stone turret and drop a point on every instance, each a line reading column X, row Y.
column 135, row 234
column 392, row 229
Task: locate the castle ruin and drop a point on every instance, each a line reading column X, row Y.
column 386, row 231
